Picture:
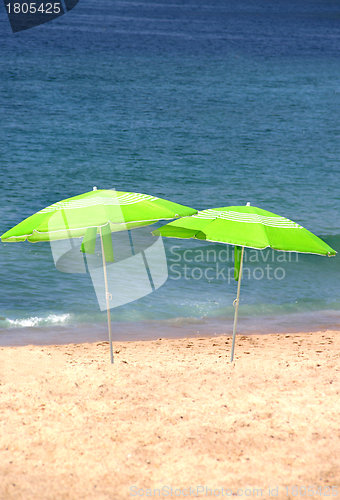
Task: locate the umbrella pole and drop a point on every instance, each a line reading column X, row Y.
column 107, row 295
column 236, row 304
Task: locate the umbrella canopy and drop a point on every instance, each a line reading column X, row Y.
column 249, row 227
column 98, row 211
column 246, row 226
column 72, row 217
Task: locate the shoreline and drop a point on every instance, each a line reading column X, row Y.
column 170, row 412
column 170, row 328
column 183, row 336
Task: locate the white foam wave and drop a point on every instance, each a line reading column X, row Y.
column 51, row 319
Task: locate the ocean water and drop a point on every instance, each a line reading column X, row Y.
column 206, row 103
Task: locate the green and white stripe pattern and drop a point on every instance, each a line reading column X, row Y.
column 117, row 199
column 231, row 215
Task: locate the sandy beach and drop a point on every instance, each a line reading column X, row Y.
column 172, row 414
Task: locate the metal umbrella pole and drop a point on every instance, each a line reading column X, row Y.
column 236, row 304
column 107, row 295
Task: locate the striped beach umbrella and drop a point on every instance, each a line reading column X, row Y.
column 246, row 226
column 96, row 212
column 100, row 208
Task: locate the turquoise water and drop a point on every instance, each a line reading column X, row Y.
column 204, row 103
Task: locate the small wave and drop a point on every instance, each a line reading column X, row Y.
column 51, row 319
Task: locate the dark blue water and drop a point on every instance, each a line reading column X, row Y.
column 206, row 103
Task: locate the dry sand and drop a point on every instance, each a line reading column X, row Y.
column 172, row 413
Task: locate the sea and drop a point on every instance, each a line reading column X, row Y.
column 207, row 103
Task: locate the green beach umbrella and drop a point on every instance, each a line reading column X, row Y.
column 72, row 217
column 246, row 226
column 96, row 212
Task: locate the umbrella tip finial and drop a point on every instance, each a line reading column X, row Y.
column 94, row 188
column 248, row 204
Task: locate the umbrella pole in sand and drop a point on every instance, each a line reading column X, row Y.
column 107, row 295
column 236, row 304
